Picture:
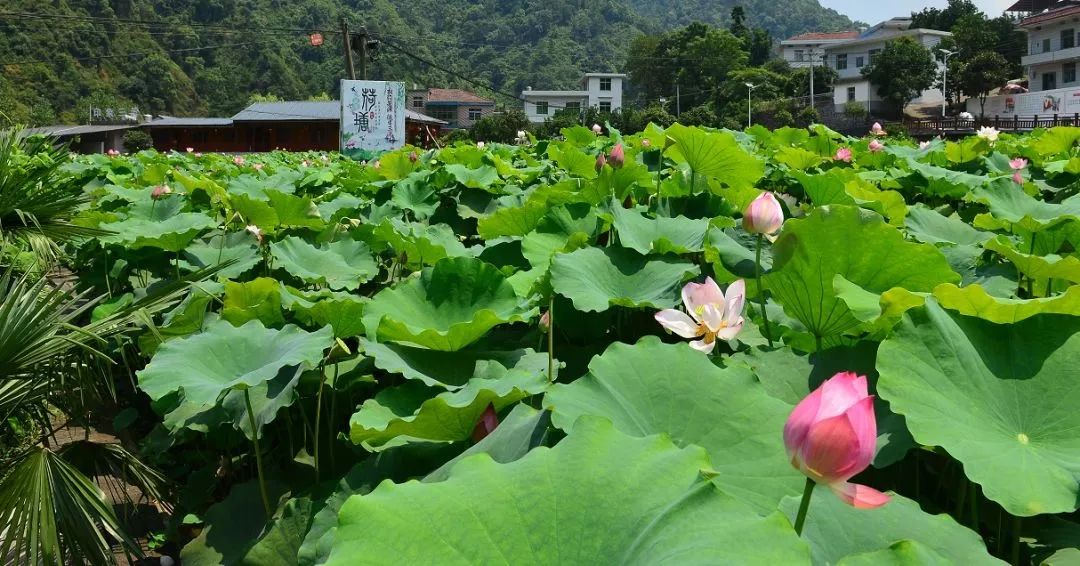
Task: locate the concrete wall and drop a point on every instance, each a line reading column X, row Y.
column 1062, row 101
column 555, row 103
column 596, row 96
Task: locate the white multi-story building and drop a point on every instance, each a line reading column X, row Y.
column 802, row 50
column 850, row 56
column 601, row 90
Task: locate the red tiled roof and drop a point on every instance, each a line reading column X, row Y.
column 816, row 36
column 455, row 95
column 1069, row 10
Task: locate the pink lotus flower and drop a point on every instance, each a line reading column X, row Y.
column 112, row 153
column 876, row 146
column 710, row 315
column 877, row 130
column 190, row 150
column 843, row 154
column 601, row 161
column 831, row 436
column 255, row 231
column 198, row 154
column 1018, row 165
column 305, row 163
column 238, row 160
column 924, row 145
column 480, row 145
column 545, row 322
column 596, row 129
column 413, row 157
column 159, row 192
column 487, row 424
column 645, row 143
column 764, row 215
column 617, row 156
column 258, row 166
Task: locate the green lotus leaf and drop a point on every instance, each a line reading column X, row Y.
column 344, row 312
column 451, row 370
column 564, row 228
column 267, row 399
column 519, row 432
column 902, row 553
column 573, row 160
column 294, row 211
column 652, row 387
column 1007, row 202
column 854, row 244
column 238, row 247
column 447, row 308
column 1037, row 267
column 797, row 158
column 340, row 205
column 224, row 357
column 715, row 154
column 233, row 527
column 420, row 244
column 835, row 530
column 414, row 411
column 512, row 221
column 973, row 300
column 1000, row 398
column 258, row 299
column 172, row 234
column 598, row 497
column 1056, row 141
column 481, row 177
column 659, row 235
column 595, row 279
column 345, row 264
column 926, row 225
column 837, row 187
column 946, row 182
column 416, row 194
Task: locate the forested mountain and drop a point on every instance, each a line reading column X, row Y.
column 207, row 57
column 781, row 18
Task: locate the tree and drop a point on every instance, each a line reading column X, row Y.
column 738, row 22
column 982, row 73
column 944, row 18
column 502, row 127
column 902, row 70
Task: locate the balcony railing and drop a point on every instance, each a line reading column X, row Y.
column 957, row 126
column 1047, row 52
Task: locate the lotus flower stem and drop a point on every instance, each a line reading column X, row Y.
column 318, row 416
column 974, row 506
column 804, row 506
column 108, row 284
column 333, row 408
column 761, row 291
column 551, row 337
column 659, row 169
column 258, row 453
column 1016, row 541
column 1030, row 279
column 176, row 264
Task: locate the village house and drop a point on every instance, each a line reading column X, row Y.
column 460, row 109
column 599, row 90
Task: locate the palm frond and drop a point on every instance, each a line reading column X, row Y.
column 53, row 514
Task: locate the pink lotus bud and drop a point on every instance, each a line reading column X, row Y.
column 545, row 322
column 112, row 153
column 831, row 436
column 876, row 146
column 877, row 130
column 617, row 156
column 198, row 154
column 305, row 163
column 601, row 161
column 413, row 158
column 843, row 154
column 258, row 166
column 255, row 231
column 1018, row 178
column 238, row 160
column 1018, row 164
column 159, row 192
column 488, row 421
column 596, row 129
column 190, row 150
column 645, row 143
column 764, row 215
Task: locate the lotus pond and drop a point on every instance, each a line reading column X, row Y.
column 491, row 355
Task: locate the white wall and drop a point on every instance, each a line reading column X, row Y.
column 596, row 96
column 555, row 104
column 1062, row 101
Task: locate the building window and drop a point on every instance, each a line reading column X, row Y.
column 1046, row 45
column 605, row 84
column 605, row 106
column 444, row 114
column 418, row 102
column 1068, row 38
column 800, row 55
column 841, row 61
column 851, row 94
column 1068, row 73
column 873, row 53
column 542, row 108
column 1049, row 81
column 859, row 62
column 573, row 106
column 474, row 114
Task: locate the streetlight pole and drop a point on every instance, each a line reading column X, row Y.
column 749, row 115
column 945, row 79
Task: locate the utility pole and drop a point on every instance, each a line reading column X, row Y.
column 350, row 71
column 363, row 52
column 678, row 101
column 811, row 77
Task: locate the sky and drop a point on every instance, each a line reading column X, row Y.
column 873, row 12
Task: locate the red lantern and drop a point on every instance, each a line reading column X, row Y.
column 316, row 39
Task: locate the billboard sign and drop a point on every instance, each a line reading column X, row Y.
column 372, row 117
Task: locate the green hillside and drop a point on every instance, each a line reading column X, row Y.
column 207, row 57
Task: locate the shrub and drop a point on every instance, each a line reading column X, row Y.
column 137, row 140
